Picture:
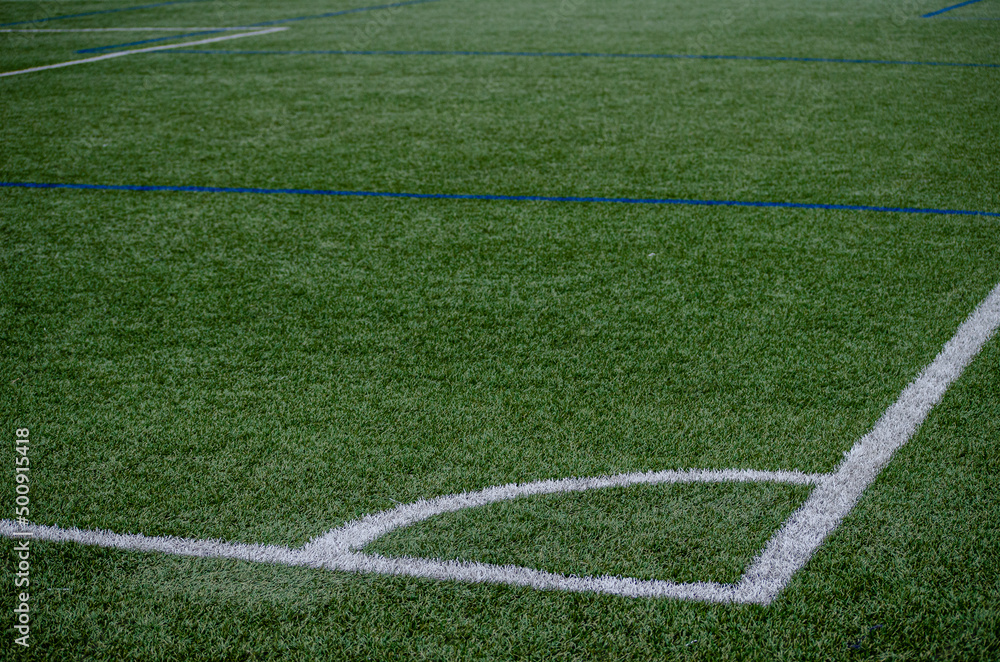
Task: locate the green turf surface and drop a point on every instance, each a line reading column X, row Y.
column 261, row 369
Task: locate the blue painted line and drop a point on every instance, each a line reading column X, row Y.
column 502, row 198
column 103, row 11
column 766, row 58
column 941, row 11
column 340, row 13
column 98, row 49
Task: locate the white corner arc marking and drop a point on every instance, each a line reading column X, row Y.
column 150, row 49
column 788, row 550
column 353, row 536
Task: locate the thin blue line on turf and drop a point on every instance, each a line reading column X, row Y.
column 941, row 11
column 98, row 49
column 671, row 56
column 103, row 11
column 502, row 198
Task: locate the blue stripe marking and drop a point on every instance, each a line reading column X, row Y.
column 504, row 198
column 103, row 11
column 258, row 25
column 98, row 49
column 766, row 58
column 941, row 11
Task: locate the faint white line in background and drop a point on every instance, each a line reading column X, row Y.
column 115, row 29
column 141, row 50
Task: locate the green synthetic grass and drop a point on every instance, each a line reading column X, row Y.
column 261, row 369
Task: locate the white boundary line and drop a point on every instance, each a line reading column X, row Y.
column 837, row 494
column 788, row 550
column 116, row 29
column 108, row 56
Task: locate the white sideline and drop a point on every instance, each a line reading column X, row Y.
column 115, row 29
column 837, row 494
column 108, row 56
column 787, row 551
column 338, row 549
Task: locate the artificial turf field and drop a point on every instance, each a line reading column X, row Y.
column 257, row 288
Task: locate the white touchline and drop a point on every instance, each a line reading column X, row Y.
column 150, row 49
column 834, row 496
column 115, row 29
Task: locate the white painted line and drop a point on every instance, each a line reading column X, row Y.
column 165, row 544
column 836, row 495
column 108, row 56
column 354, row 535
column 116, row 29
column 787, row 551
column 338, row 549
column 530, row 578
